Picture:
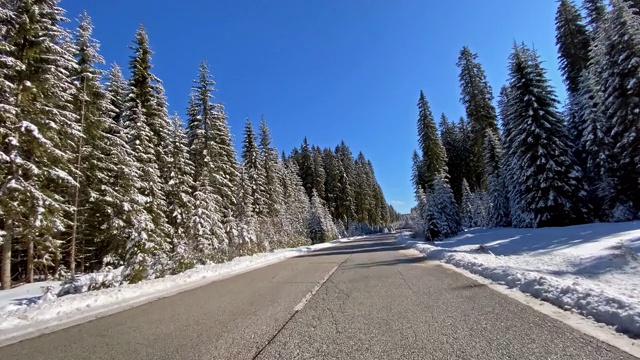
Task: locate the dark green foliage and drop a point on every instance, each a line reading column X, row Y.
column 434, row 157
column 477, row 97
column 572, row 39
column 546, row 183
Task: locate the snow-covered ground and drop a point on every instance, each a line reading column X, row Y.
column 592, row 270
column 27, row 309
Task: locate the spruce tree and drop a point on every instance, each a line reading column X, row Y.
column 93, row 198
column 209, row 137
column 497, row 195
column 179, row 199
column 476, row 95
column 117, row 89
column 346, row 174
column 331, row 181
column 252, row 166
column 296, row 202
column 319, row 175
column 272, row 168
column 146, row 253
column 433, row 155
column 615, row 55
column 547, row 181
column 595, row 11
column 206, row 231
column 572, row 39
column 306, row 167
column 442, row 216
column 38, row 132
column 320, row 225
column 123, row 181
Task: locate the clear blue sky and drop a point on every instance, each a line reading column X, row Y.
column 331, row 69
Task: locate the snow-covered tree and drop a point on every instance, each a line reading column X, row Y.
column 546, row 184
column 272, row 169
column 572, row 39
column 209, row 136
column 477, row 97
column 433, row 155
column 616, row 55
column 206, row 230
column 594, row 11
column 147, row 249
column 38, row 129
column 441, row 215
column 94, row 199
column 252, row 166
column 498, row 215
column 179, row 199
column 320, row 225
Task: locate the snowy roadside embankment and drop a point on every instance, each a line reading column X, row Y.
column 592, row 270
column 29, row 308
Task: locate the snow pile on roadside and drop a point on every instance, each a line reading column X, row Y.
column 593, row 270
column 31, row 307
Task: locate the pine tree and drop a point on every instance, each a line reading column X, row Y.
column 331, row 181
column 456, row 141
column 296, row 202
column 117, row 89
column 616, row 54
column 320, row 226
column 179, row 199
column 123, row 181
column 442, row 217
column 209, row 137
column 417, row 173
column 319, row 175
column 272, row 169
column 252, row 166
column 467, row 206
column 149, row 93
column 497, row 196
column 345, row 197
column 38, row 132
column 93, row 197
column 476, row 95
column 546, row 180
column 206, row 229
column 434, row 157
column 572, row 39
column 305, row 167
column 247, row 239
column 147, row 249
column 595, row 11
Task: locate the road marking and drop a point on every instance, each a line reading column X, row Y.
column 308, row 297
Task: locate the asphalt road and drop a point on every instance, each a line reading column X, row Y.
column 378, row 303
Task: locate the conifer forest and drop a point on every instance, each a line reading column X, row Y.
column 523, row 158
column 96, row 172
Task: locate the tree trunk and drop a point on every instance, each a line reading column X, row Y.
column 30, row 260
column 5, row 262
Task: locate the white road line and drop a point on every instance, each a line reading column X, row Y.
column 308, row 297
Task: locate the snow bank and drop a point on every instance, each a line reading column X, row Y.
column 592, row 270
column 31, row 308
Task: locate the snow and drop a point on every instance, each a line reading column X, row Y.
column 24, row 310
column 592, row 270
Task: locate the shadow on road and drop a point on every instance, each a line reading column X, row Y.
column 393, row 262
column 368, row 245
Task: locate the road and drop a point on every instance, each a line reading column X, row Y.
column 378, row 302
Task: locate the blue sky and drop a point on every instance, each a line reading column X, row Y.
column 330, row 70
